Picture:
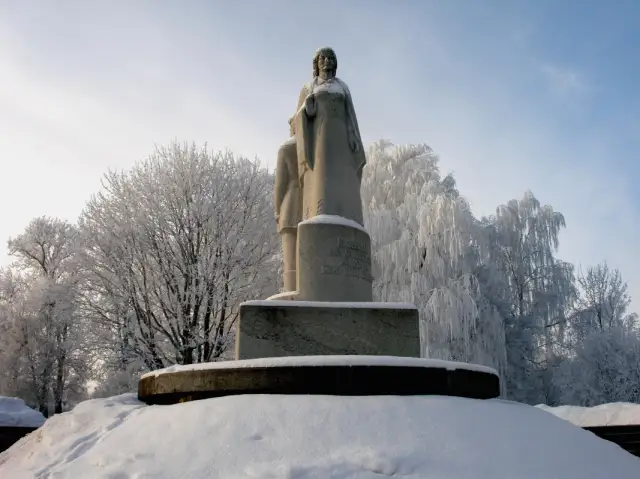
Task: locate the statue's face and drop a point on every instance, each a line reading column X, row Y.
column 326, row 66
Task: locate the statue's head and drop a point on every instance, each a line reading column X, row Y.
column 325, row 63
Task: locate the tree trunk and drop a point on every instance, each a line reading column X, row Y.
column 58, row 387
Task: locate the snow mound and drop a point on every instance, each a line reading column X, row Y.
column 15, row 413
column 264, row 436
column 612, row 414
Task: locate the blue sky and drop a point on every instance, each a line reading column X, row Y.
column 512, row 95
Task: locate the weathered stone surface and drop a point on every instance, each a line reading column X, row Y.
column 295, row 328
column 341, row 380
column 334, row 261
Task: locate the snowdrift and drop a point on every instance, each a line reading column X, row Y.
column 261, row 436
column 15, row 413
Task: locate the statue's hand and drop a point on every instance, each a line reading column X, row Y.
column 310, row 105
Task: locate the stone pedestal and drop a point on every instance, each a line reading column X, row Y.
column 270, row 329
column 333, row 260
column 324, row 375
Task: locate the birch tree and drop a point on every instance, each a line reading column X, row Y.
column 532, row 290
column 427, row 247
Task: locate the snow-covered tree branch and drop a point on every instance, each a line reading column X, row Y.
column 171, row 248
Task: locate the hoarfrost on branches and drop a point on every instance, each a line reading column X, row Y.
column 172, row 247
column 426, row 250
column 602, row 343
column 532, row 290
column 163, row 255
column 43, row 337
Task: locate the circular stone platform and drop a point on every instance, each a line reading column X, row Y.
column 324, row 375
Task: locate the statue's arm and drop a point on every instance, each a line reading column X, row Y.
column 354, row 130
column 302, row 97
column 308, row 101
column 354, row 118
column 282, row 180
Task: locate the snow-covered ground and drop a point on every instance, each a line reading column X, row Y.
column 612, row 414
column 261, row 436
column 15, row 413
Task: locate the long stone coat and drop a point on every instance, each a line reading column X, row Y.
column 330, row 168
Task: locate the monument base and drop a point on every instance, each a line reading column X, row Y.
column 323, row 375
column 333, row 260
column 274, row 328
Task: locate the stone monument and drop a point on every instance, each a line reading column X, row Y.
column 327, row 304
column 323, row 334
column 288, row 205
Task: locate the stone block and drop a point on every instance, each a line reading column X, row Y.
column 333, row 260
column 298, row 328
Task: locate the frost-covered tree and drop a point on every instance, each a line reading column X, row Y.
column 13, row 367
column 171, row 248
column 602, row 344
column 40, row 309
column 427, row 248
column 603, row 368
column 602, row 304
column 532, row 289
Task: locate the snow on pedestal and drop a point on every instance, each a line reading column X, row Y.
column 319, row 361
column 319, row 375
column 260, row 436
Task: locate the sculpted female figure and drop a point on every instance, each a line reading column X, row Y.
column 329, row 148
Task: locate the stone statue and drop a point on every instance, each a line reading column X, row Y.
column 288, row 203
column 327, row 306
column 329, row 147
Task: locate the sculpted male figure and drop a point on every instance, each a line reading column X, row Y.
column 288, row 203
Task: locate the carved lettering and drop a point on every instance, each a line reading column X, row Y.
column 352, row 259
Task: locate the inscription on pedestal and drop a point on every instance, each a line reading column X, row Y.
column 334, row 262
column 352, row 258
